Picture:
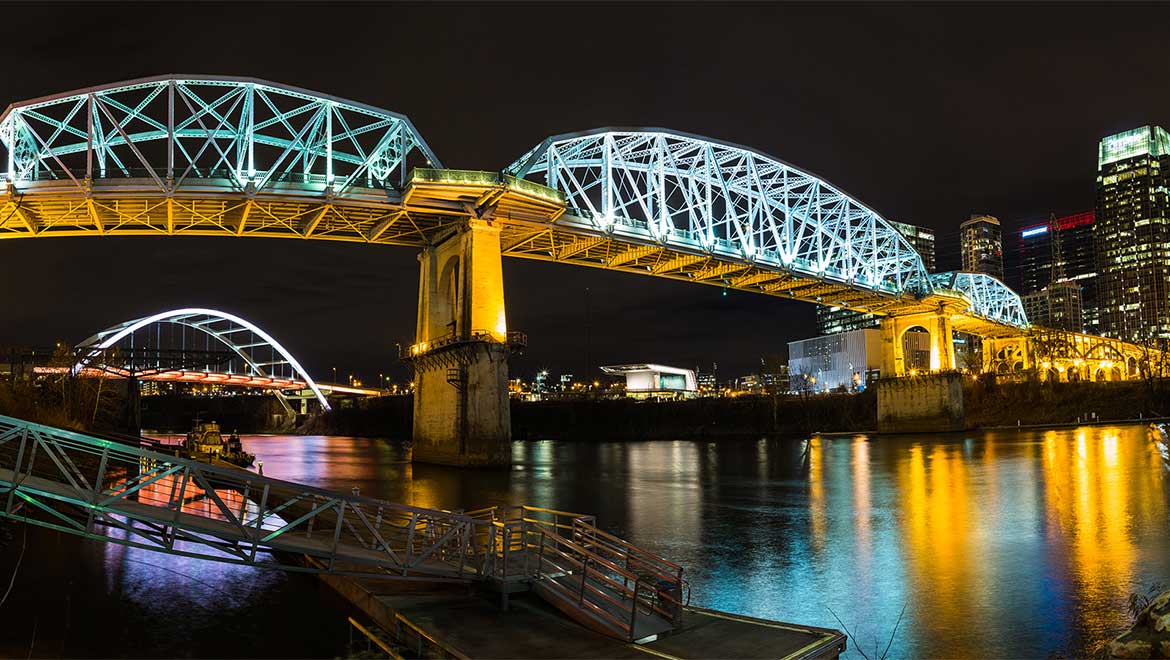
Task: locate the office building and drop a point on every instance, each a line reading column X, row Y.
column 846, row 360
column 1133, row 234
column 1061, row 250
column 1057, row 305
column 831, row 320
column 921, row 239
column 981, row 241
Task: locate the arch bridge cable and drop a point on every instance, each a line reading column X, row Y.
column 253, row 357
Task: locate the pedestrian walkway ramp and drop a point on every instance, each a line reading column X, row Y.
column 85, row 484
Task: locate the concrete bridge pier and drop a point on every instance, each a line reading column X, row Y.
column 460, row 358
column 919, row 400
column 942, row 346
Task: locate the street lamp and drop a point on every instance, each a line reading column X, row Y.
column 335, row 374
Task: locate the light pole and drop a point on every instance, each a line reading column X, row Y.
column 334, row 374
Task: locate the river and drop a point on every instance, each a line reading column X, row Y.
column 996, row 544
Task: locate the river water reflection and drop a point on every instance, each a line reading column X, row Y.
column 1006, row 544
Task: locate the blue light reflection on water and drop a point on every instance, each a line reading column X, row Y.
column 997, row 544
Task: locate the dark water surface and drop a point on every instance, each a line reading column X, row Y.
column 1004, row 544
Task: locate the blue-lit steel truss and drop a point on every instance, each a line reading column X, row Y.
column 659, row 187
column 259, row 360
column 679, row 189
column 253, row 135
column 989, row 298
column 222, row 156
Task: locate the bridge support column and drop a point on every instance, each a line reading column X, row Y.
column 927, row 401
column 895, row 362
column 460, row 358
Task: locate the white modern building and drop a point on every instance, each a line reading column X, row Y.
column 645, row 381
column 845, row 359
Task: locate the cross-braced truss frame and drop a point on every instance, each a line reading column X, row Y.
column 262, row 361
column 669, row 190
column 989, row 297
column 677, row 189
column 252, row 134
column 220, row 156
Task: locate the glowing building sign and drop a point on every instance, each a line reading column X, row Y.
column 1137, row 142
column 1034, row 231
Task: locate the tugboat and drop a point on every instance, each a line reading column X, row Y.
column 205, row 442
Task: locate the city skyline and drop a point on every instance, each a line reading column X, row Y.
column 347, row 306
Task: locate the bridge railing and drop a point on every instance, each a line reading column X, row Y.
column 81, row 484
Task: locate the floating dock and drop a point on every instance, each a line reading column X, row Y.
column 461, row 622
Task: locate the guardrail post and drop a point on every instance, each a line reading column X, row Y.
column 634, row 610
column 507, row 547
column 584, row 575
column 16, row 470
column 97, row 488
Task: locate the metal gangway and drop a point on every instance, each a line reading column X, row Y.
column 84, row 484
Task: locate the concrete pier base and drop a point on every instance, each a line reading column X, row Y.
column 918, row 404
column 460, row 358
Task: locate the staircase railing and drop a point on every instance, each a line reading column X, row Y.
column 605, row 592
column 670, row 592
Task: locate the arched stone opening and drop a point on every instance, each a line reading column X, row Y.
column 447, row 311
column 916, row 347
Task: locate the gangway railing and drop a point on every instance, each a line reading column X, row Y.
column 82, row 484
column 507, row 541
column 77, row 483
column 599, row 592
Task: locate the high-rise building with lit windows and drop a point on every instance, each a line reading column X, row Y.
column 981, row 240
column 1062, row 250
column 1057, row 305
column 1133, row 234
column 831, row 320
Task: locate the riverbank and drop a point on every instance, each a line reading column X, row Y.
column 988, row 403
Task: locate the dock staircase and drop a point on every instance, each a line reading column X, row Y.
column 601, row 581
column 85, row 484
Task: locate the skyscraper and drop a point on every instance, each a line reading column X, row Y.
column 831, row 320
column 1062, row 250
column 921, row 239
column 982, row 243
column 1133, row 234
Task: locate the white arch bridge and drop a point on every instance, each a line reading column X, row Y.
column 235, row 352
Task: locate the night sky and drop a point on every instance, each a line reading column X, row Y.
column 927, row 113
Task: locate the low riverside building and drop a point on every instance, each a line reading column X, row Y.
column 849, row 360
column 655, row 381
